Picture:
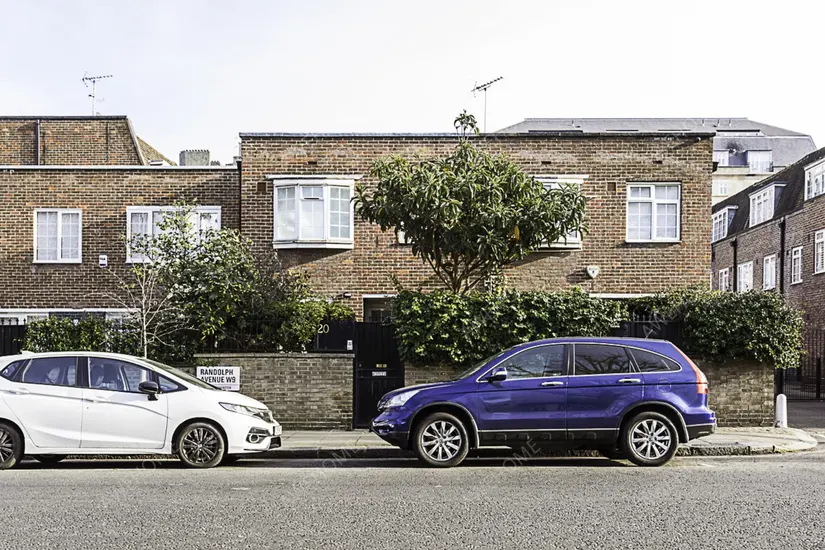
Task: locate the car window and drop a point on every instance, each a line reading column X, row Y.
column 169, row 386
column 536, row 362
column 601, row 359
column 114, row 375
column 12, row 369
column 54, row 371
column 648, row 361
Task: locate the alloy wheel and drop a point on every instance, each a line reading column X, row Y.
column 6, row 445
column 441, row 440
column 651, row 439
column 200, row 446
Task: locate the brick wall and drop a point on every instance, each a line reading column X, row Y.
column 609, row 161
column 304, row 390
column 741, row 392
column 103, row 195
column 68, row 141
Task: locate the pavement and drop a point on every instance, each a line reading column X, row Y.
column 363, row 444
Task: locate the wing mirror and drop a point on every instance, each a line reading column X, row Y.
column 498, row 374
column 151, row 388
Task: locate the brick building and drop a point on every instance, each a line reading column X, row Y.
column 296, row 187
column 772, row 236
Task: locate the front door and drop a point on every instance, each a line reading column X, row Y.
column 116, row 415
column 602, row 385
column 530, row 403
column 45, row 399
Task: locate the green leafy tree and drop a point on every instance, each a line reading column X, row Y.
column 469, row 214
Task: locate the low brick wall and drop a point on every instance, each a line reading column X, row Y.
column 304, row 390
column 741, row 392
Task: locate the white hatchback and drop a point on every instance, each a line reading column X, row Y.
column 82, row 403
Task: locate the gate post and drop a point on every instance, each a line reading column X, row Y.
column 819, row 377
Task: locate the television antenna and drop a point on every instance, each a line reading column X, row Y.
column 93, row 80
column 483, row 88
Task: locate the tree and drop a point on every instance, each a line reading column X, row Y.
column 469, row 214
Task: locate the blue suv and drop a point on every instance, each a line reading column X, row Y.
column 627, row 398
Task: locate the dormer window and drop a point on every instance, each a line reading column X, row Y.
column 762, row 204
column 721, row 223
column 760, row 162
column 815, row 180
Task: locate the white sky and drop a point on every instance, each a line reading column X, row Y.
column 193, row 74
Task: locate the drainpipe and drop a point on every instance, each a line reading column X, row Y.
column 782, row 256
column 37, row 142
column 735, row 285
column 240, row 194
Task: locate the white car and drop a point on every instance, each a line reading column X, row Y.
column 75, row 403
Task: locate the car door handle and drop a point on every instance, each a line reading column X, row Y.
column 20, row 391
column 554, row 383
column 629, row 381
column 94, row 400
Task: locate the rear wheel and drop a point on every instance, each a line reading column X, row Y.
column 11, row 446
column 441, row 440
column 49, row 459
column 649, row 439
column 200, row 445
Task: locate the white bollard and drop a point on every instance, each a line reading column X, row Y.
column 781, row 419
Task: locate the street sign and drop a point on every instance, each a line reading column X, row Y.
column 225, row 378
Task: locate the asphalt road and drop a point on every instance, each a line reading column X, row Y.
column 764, row 502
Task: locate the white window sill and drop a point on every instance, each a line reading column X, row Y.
column 560, row 246
column 653, row 241
column 796, row 282
column 57, row 262
column 819, row 272
column 312, row 244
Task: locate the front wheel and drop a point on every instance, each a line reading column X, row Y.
column 649, row 439
column 441, row 440
column 200, row 445
column 11, row 446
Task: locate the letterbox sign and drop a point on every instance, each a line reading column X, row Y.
column 225, row 378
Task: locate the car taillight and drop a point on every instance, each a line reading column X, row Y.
column 701, row 379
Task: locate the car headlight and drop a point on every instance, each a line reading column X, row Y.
column 400, row 399
column 242, row 409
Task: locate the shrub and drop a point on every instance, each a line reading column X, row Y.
column 446, row 328
column 86, row 334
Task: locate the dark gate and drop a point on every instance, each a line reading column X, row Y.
column 378, row 369
column 11, row 339
column 805, row 382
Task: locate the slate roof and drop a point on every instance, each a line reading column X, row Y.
column 150, row 153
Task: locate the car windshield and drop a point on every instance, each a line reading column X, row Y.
column 183, row 375
column 482, row 363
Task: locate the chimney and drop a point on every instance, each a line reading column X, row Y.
column 194, row 157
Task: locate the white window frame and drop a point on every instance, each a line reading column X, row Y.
column 756, row 166
column 721, row 157
column 815, row 180
column 768, row 194
column 150, row 212
column 654, row 201
column 819, row 252
column 719, row 188
column 720, row 222
column 326, row 183
column 796, row 274
column 724, row 279
column 60, row 213
column 769, row 272
column 745, row 268
column 573, row 240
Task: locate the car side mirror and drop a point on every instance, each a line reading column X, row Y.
column 151, row 388
column 498, row 374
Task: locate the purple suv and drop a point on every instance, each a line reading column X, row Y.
column 627, row 398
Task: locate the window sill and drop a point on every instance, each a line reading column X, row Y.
column 559, row 246
column 796, row 282
column 285, row 245
column 819, row 272
column 58, row 262
column 653, row 241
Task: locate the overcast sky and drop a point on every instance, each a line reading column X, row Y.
column 193, row 74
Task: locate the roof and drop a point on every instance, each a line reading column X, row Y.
column 150, row 153
column 453, row 135
column 791, row 198
column 63, row 117
column 656, row 125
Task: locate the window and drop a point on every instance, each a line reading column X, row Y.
column 168, row 386
column 57, row 236
column 146, row 220
column 815, row 180
column 573, row 239
column 113, row 375
column 769, row 272
column 760, row 162
column 762, row 205
column 647, row 361
column 744, row 277
column 819, row 251
column 721, row 157
column 720, row 225
column 378, row 310
column 601, row 359
column 796, row 265
column 538, row 362
column 12, row 369
column 724, row 280
column 653, row 212
column 54, row 371
column 720, row 188
column 313, row 213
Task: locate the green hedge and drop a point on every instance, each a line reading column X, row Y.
column 444, row 328
column 86, row 334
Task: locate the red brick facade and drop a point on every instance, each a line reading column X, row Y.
column 610, row 162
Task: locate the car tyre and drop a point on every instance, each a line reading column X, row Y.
column 200, row 445
column 441, row 440
column 611, row 452
column 649, row 439
column 11, row 446
column 49, row 459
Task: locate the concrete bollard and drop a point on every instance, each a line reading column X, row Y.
column 781, row 418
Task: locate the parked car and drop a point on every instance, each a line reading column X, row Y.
column 628, row 398
column 56, row 404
